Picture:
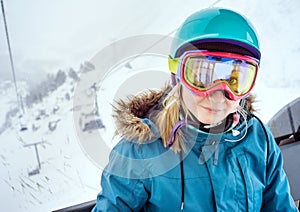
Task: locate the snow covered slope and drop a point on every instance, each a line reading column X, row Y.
column 43, row 168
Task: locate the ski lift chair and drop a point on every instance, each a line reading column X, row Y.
column 83, row 207
column 23, row 127
column 290, row 148
column 285, row 127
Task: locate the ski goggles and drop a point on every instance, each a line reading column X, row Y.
column 204, row 72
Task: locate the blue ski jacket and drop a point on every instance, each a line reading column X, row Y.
column 232, row 171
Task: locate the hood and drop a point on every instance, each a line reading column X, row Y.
column 131, row 114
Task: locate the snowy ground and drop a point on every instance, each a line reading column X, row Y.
column 66, row 175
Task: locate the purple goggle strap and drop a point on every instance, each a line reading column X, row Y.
column 175, row 129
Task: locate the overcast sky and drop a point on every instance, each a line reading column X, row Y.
column 51, row 35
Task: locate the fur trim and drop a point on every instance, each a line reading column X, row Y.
column 250, row 100
column 128, row 115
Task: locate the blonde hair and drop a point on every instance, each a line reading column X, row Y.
column 169, row 116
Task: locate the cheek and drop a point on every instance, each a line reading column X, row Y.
column 194, row 102
column 190, row 98
column 232, row 105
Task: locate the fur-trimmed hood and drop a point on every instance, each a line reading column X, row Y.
column 129, row 114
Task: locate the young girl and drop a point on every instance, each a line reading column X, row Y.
column 195, row 145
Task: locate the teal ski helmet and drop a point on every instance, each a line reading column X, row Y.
column 216, row 29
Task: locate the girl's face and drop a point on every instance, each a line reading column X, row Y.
column 210, row 109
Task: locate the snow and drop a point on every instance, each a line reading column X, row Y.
column 62, row 179
column 69, row 174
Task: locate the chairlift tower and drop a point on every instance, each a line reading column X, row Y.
column 19, row 98
column 20, row 104
column 37, row 170
column 94, row 87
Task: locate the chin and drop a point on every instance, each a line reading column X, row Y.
column 212, row 119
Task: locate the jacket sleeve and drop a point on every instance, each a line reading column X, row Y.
column 122, row 190
column 276, row 195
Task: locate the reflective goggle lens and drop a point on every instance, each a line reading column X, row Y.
column 202, row 71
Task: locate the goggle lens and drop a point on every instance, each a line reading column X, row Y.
column 201, row 72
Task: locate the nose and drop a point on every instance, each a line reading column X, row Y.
column 217, row 97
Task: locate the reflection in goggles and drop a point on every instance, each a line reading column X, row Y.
column 204, row 72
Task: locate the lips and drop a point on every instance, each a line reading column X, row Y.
column 212, row 110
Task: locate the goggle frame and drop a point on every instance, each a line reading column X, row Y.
column 177, row 66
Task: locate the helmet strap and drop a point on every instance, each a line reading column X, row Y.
column 174, row 79
column 242, row 102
